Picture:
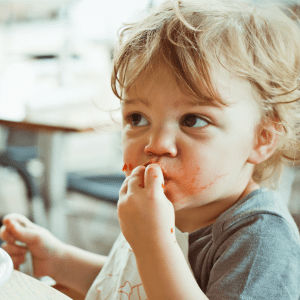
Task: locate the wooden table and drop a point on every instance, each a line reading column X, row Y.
column 24, row 287
column 52, row 127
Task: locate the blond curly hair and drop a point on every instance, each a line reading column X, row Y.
column 259, row 43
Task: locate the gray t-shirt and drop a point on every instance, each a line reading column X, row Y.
column 251, row 252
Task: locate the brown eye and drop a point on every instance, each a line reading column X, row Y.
column 194, row 121
column 138, row 120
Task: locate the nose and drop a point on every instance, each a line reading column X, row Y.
column 162, row 142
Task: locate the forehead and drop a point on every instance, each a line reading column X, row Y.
column 159, row 78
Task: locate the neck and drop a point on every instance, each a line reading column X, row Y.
column 191, row 219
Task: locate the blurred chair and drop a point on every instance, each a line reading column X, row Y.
column 102, row 187
column 18, row 156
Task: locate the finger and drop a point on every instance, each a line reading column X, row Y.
column 123, row 189
column 6, row 235
column 20, row 232
column 13, row 249
column 154, row 177
column 136, row 179
column 22, row 220
column 17, row 261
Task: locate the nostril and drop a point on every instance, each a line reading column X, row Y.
column 161, row 151
column 150, row 153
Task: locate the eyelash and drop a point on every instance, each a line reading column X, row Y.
column 129, row 119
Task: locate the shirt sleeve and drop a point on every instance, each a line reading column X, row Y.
column 257, row 259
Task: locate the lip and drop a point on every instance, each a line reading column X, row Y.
column 162, row 168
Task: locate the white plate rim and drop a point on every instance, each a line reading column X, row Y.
column 7, row 265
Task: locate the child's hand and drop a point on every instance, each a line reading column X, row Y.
column 146, row 215
column 39, row 241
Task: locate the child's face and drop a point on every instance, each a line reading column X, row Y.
column 202, row 149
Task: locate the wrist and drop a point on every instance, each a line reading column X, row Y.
column 58, row 259
column 158, row 246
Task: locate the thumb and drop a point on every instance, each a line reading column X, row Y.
column 154, row 177
column 20, row 231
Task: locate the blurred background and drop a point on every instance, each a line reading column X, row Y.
column 60, row 154
column 55, row 65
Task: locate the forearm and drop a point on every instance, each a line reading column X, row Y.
column 166, row 275
column 78, row 268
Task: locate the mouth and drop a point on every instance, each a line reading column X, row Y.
column 162, row 168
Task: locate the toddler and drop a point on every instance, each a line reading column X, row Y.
column 209, row 95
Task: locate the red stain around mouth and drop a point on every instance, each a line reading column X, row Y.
column 191, row 188
column 124, row 167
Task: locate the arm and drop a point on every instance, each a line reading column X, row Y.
column 68, row 265
column 165, row 273
column 147, row 221
column 77, row 268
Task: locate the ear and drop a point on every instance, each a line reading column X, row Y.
column 266, row 142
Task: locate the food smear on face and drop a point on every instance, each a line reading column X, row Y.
column 162, row 185
column 124, row 167
column 130, row 167
column 191, row 187
column 171, row 230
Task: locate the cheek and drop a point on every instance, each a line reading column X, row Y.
column 131, row 157
column 199, row 178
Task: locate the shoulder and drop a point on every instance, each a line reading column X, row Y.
column 255, row 251
column 260, row 214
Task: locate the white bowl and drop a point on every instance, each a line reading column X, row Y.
column 6, row 266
